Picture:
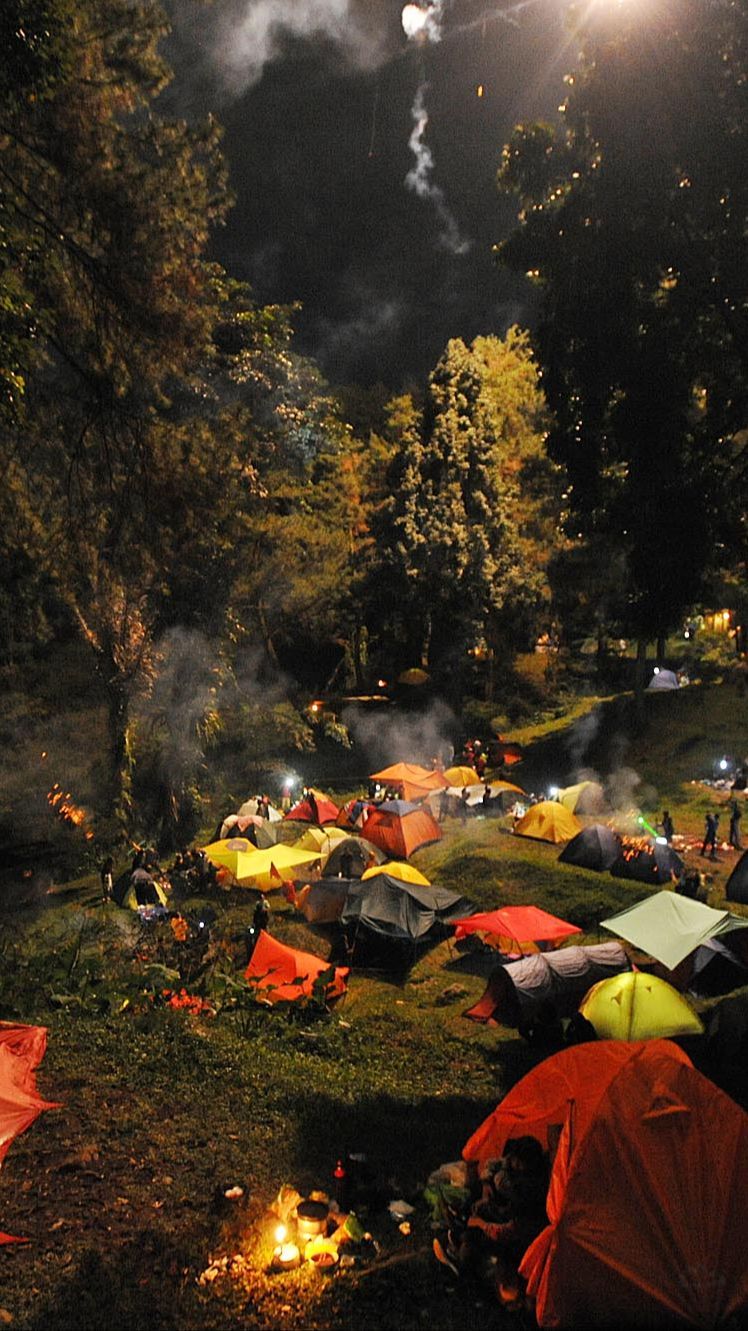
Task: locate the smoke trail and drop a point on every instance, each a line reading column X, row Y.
column 401, row 736
column 419, row 179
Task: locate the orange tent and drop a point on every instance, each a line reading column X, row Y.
column 322, row 811
column 21, row 1051
column 647, row 1189
column 416, row 782
column 279, row 972
column 399, row 828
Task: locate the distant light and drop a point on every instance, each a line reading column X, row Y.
column 661, row 840
column 381, row 683
column 479, row 91
column 723, row 764
column 289, row 781
column 657, row 670
column 552, row 792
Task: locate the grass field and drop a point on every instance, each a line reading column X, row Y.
column 162, row 1110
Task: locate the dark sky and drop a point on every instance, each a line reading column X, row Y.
column 316, row 137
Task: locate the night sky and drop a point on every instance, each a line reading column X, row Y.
column 317, row 125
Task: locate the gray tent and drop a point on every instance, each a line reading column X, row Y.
column 595, row 847
column 403, row 912
column 515, row 991
column 736, row 887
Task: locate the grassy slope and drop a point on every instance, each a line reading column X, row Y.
column 115, row 1189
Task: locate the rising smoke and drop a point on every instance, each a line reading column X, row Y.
column 402, row 737
column 419, row 178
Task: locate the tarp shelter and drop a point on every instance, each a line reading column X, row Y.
column 516, row 930
column 548, row 821
column 647, row 1192
column 663, row 680
column 515, row 992
column 636, row 1006
column 262, row 869
column 21, row 1051
column 400, row 828
column 584, row 797
column 416, row 782
column 323, row 839
column 655, row 863
column 400, row 911
column 669, row 927
column 322, row 902
column 318, row 810
column 355, row 854
column 596, row 847
column 283, row 973
column 404, row 873
column 736, row 887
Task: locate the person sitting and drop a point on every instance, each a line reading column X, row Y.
column 488, row 1245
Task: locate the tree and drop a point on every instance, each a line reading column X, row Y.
column 632, row 226
column 108, row 211
column 459, row 539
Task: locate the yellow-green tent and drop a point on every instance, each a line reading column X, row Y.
column 233, row 854
column 548, row 821
column 263, row 869
column 636, row 1006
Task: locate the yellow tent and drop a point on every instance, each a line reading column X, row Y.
column 405, row 873
column 548, row 821
column 462, row 776
column 263, row 869
column 271, row 867
column 636, row 1006
column 234, row 855
column 585, row 797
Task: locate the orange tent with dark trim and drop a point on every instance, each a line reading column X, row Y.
column 282, row 973
column 399, row 828
column 647, row 1193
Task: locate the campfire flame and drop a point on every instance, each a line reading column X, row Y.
column 73, row 814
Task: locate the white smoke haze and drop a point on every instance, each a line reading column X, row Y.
column 184, row 691
column 420, row 182
column 248, row 39
column 384, row 738
column 423, row 22
column 375, row 318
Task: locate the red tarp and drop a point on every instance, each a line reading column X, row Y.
column 516, row 927
column 274, row 968
column 400, row 834
column 21, row 1051
column 647, row 1190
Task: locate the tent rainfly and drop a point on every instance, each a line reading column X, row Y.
column 517, row 929
column 280, row 973
column 548, row 821
column 514, row 992
column 670, row 927
column 596, row 847
column 646, row 1196
column 637, row 1006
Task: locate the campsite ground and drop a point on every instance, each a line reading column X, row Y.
column 162, row 1109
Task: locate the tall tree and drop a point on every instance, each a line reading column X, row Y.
column 632, row 224
column 459, row 557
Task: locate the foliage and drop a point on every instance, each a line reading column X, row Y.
column 464, row 537
column 632, row 226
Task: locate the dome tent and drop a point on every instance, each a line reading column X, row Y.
column 646, row 1194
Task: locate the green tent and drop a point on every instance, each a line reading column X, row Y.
column 670, row 927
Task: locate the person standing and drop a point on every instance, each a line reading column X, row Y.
column 736, row 814
column 107, row 879
column 710, row 835
column 667, row 826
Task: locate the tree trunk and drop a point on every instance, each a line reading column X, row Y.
column 426, row 643
column 640, row 675
column 661, row 649
column 119, row 800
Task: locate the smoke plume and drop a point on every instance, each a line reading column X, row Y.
column 418, row 738
column 419, row 178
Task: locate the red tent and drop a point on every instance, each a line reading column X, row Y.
column 518, row 929
column 323, row 812
column 281, row 972
column 399, row 828
column 647, row 1190
column 21, row 1051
